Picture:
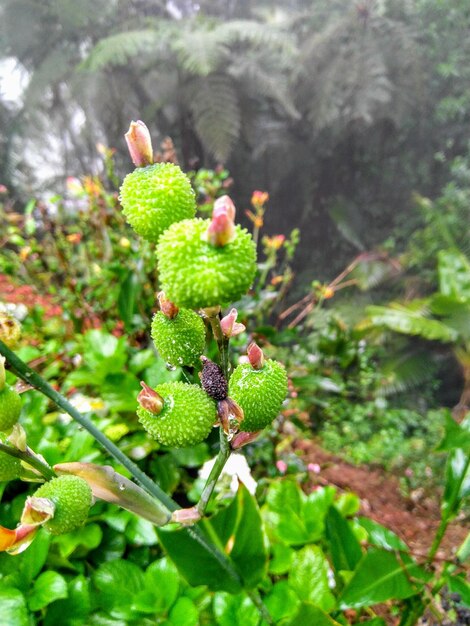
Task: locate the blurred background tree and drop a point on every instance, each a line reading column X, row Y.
column 341, row 110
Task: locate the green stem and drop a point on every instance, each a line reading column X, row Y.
column 222, row 457
column 2, row 373
column 29, row 457
column 255, row 597
column 32, row 378
column 222, row 343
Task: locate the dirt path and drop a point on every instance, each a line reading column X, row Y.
column 414, row 522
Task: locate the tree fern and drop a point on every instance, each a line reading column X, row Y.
column 214, row 105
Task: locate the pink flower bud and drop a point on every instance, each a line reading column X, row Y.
column 221, row 229
column 230, row 327
column 281, row 466
column 256, row 356
column 150, row 399
column 186, row 517
column 314, row 467
column 139, row 144
column 224, row 204
column 167, row 307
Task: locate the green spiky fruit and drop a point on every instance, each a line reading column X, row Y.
column 260, row 393
column 10, row 408
column 155, row 197
column 187, row 416
column 180, row 340
column 10, row 466
column 196, row 274
column 72, row 498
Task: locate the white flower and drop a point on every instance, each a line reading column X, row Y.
column 235, row 469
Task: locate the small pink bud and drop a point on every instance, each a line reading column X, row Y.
column 221, row 229
column 314, row 467
column 230, row 327
column 167, row 307
column 150, row 399
column 256, row 356
column 281, row 466
column 242, row 439
column 186, row 517
column 139, row 144
column 224, row 204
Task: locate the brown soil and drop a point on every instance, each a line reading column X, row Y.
column 413, row 520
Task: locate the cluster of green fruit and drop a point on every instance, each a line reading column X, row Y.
column 202, row 264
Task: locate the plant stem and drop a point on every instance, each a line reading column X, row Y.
column 222, row 343
column 255, row 597
column 2, row 373
column 29, row 457
column 437, row 539
column 222, row 457
column 32, row 378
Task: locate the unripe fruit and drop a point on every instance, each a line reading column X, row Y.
column 72, row 498
column 10, row 408
column 180, row 340
column 259, row 392
column 154, row 197
column 186, row 418
column 196, row 274
column 10, row 466
column 10, row 330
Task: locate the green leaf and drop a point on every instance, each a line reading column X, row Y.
column 194, row 562
column 379, row 577
column 248, row 551
column 162, row 579
column 344, row 547
column 31, row 561
column 457, row 485
column 463, row 553
column 141, row 532
column 128, row 294
column 74, row 609
column 281, row 601
column 457, row 584
column 183, row 613
column 13, row 609
column 281, row 559
column 118, row 582
column 408, row 321
column 47, row 588
column 348, row 504
column 453, row 269
column 308, row 577
column 235, row 609
column 87, row 537
column 293, row 517
column 309, row 614
column 455, row 436
column 382, row 537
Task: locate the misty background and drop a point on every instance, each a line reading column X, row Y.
column 341, row 110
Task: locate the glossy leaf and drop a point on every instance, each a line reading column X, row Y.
column 308, row 577
column 463, row 553
column 163, row 581
column 47, row 588
column 235, row 609
column 344, row 547
column 292, row 516
column 281, row 601
column 455, row 436
column 111, row 580
column 183, row 613
column 405, row 320
column 382, row 537
column 457, row 485
column 309, row 614
column 74, row 609
column 281, row 559
column 13, row 609
column 378, row 578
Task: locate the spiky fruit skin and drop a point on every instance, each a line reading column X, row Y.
column 260, row 393
column 181, row 340
column 10, row 408
column 187, row 416
column 196, row 274
column 154, row 197
column 72, row 498
column 10, row 466
column 10, row 330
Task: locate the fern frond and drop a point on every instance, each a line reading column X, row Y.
column 214, row 105
column 406, row 371
column 118, row 49
column 200, row 51
column 257, row 35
